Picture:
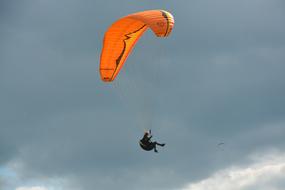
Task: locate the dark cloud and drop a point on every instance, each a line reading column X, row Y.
column 218, row 77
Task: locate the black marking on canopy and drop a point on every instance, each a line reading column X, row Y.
column 167, row 21
column 118, row 60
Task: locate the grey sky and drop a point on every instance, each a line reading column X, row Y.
column 219, row 77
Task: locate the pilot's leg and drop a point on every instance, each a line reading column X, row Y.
column 153, row 144
column 159, row 144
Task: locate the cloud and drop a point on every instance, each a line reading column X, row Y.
column 266, row 172
column 1, row 183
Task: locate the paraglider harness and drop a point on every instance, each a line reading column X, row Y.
column 146, row 147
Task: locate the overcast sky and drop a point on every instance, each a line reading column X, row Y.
column 218, row 78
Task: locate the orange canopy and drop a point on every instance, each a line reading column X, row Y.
column 122, row 35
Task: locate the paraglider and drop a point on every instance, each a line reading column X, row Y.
column 147, row 144
column 119, row 40
column 221, row 146
column 123, row 34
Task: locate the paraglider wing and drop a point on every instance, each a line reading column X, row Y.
column 122, row 35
